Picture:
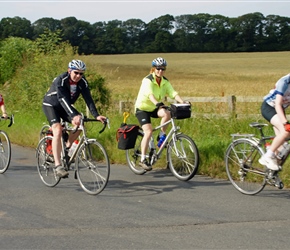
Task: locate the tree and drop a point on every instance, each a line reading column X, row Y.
column 250, row 31
column 134, row 29
column 17, row 27
column 43, row 24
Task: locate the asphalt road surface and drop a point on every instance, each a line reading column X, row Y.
column 152, row 211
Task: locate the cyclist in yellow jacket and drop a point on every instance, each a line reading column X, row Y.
column 149, row 104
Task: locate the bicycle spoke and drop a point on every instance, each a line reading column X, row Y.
column 5, row 152
column 243, row 169
column 93, row 167
column 183, row 157
column 45, row 163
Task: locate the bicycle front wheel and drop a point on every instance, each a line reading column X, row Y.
column 5, row 152
column 244, row 171
column 183, row 157
column 133, row 156
column 92, row 167
column 45, row 162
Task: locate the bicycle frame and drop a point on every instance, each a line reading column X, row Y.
column 156, row 154
column 82, row 139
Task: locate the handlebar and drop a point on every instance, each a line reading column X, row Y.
column 86, row 119
column 11, row 118
column 105, row 124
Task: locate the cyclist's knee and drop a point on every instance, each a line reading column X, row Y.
column 56, row 129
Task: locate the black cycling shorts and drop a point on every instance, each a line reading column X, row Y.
column 144, row 117
column 55, row 115
column 268, row 111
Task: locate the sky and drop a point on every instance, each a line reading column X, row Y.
column 95, row 11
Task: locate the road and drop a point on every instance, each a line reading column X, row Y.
column 152, row 211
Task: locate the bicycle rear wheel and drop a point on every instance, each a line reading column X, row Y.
column 133, row 156
column 45, row 162
column 92, row 167
column 5, row 152
column 43, row 131
column 183, row 157
column 243, row 169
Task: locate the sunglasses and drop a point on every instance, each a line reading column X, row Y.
column 78, row 73
column 163, row 69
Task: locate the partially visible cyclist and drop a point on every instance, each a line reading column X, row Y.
column 58, row 104
column 149, row 104
column 273, row 110
column 2, row 107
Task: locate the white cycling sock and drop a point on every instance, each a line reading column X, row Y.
column 143, row 157
column 270, row 153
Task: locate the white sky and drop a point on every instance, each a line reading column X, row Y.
column 95, row 11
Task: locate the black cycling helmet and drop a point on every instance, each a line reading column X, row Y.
column 159, row 62
column 77, row 64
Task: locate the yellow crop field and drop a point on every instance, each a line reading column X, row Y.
column 195, row 74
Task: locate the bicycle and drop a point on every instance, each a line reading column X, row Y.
column 244, row 171
column 182, row 153
column 91, row 162
column 5, row 146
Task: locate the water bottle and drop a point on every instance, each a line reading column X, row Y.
column 283, row 151
column 73, row 147
column 161, row 140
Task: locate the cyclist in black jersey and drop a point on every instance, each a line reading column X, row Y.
column 58, row 104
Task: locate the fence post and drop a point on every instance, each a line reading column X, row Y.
column 121, row 106
column 232, row 104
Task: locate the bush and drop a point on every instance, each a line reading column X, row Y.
column 14, row 52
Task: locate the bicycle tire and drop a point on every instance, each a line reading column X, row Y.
column 5, row 152
column 183, row 157
column 92, row 167
column 45, row 163
column 43, row 131
column 244, row 171
column 133, row 156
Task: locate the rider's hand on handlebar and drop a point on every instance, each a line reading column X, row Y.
column 101, row 118
column 76, row 120
column 4, row 115
column 159, row 104
column 287, row 126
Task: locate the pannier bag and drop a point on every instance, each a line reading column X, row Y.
column 49, row 143
column 180, row 110
column 126, row 136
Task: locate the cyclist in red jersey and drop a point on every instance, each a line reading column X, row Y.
column 2, row 106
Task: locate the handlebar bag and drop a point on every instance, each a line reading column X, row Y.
column 180, row 110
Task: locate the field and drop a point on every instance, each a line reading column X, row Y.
column 196, row 74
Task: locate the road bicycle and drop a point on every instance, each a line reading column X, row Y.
column 91, row 163
column 243, row 169
column 181, row 152
column 5, row 146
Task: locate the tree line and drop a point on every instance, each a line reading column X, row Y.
column 251, row 32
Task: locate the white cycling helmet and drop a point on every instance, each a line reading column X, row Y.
column 77, row 64
column 158, row 62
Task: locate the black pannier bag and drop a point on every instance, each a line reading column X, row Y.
column 126, row 136
column 180, row 110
